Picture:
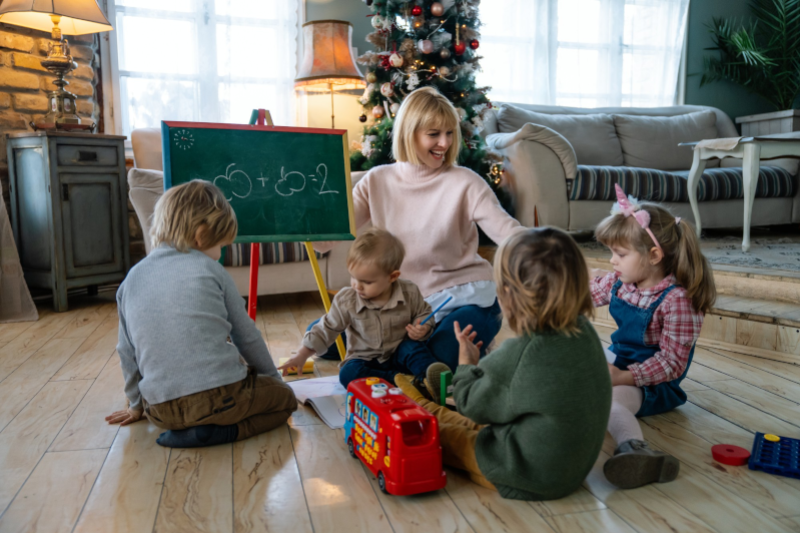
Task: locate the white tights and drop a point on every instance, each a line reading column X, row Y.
column 625, row 403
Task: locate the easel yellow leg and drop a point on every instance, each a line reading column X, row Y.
column 323, row 291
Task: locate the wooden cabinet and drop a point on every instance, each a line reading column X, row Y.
column 69, row 209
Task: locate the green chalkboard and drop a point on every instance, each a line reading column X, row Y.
column 285, row 184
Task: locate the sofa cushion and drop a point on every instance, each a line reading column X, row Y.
column 237, row 255
column 652, row 142
column 597, row 183
column 593, row 137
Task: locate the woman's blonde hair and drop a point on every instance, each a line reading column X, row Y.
column 542, row 281
column 423, row 109
column 682, row 254
column 378, row 247
column 185, row 208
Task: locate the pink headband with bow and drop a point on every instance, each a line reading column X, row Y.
column 629, row 207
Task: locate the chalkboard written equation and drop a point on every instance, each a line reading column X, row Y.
column 285, row 184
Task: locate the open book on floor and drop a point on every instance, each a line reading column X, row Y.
column 325, row 395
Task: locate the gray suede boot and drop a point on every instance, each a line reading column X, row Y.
column 634, row 464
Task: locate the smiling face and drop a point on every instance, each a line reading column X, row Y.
column 432, row 144
column 370, row 282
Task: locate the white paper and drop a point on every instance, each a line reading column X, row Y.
column 317, row 387
column 331, row 409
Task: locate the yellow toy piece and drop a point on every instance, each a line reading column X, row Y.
column 308, row 368
column 772, row 438
column 373, row 381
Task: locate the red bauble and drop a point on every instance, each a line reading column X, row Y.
column 416, row 11
column 459, row 48
column 474, row 44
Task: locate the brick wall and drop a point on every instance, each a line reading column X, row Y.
column 24, row 82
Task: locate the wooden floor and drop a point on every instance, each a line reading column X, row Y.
column 62, row 468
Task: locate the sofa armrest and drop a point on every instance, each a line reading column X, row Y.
column 538, row 162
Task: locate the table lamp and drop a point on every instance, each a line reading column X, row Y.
column 328, row 64
column 70, row 17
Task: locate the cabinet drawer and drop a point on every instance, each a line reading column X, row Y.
column 73, row 155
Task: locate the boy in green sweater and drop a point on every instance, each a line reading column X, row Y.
column 532, row 414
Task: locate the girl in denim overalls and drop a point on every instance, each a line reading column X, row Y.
column 659, row 291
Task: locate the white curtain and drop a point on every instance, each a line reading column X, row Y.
column 205, row 60
column 583, row 53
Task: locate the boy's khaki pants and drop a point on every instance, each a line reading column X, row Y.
column 457, row 435
column 256, row 404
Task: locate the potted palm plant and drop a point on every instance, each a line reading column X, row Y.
column 763, row 56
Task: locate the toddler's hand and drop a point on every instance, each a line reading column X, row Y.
column 620, row 377
column 125, row 417
column 416, row 331
column 296, row 362
column 469, row 352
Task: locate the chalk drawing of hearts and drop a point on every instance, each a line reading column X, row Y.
column 234, row 183
column 290, row 183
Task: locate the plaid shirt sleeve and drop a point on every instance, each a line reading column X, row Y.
column 681, row 326
column 600, row 288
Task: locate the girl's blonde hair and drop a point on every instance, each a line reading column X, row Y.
column 542, row 281
column 185, row 208
column 425, row 108
column 682, row 254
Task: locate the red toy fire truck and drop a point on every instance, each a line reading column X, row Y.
column 396, row 438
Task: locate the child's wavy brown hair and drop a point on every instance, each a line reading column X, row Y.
column 183, row 209
column 682, row 254
column 542, row 281
column 378, row 247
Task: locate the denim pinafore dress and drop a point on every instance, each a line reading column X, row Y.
column 629, row 347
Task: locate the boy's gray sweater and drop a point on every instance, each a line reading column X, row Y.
column 176, row 311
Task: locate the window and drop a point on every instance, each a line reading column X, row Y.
column 583, row 53
column 204, row 60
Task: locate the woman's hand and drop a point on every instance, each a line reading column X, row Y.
column 469, row 352
column 417, row 332
column 125, row 417
column 620, row 377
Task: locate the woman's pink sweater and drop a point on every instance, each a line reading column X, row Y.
column 434, row 212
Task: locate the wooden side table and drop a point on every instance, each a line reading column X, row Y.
column 751, row 150
column 69, row 209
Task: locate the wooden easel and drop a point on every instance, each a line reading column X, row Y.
column 262, row 117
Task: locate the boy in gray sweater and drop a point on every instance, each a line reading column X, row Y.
column 177, row 308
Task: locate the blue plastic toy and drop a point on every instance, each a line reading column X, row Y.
column 776, row 455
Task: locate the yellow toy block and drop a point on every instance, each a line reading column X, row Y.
column 308, row 368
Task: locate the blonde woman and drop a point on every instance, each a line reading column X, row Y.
column 435, row 208
column 177, row 308
column 531, row 415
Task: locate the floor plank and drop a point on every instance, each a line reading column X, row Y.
column 742, row 414
column 689, row 385
column 87, row 428
column 126, row 494
column 769, row 403
column 27, row 437
column 783, row 370
column 579, row 501
column 23, row 384
column 791, row 522
column 486, row 510
column 12, row 330
column 338, row 493
column 589, row 522
column 749, row 374
column 52, row 498
column 91, row 357
column 198, row 491
column 267, row 490
column 16, row 352
column 84, row 320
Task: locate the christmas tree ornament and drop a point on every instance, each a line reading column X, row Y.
column 459, row 48
column 425, row 46
column 444, row 71
column 371, row 77
column 444, row 53
column 395, row 107
column 437, row 9
column 474, row 44
column 362, row 118
column 417, row 22
column 377, row 111
column 368, row 2
column 377, row 22
column 387, row 90
column 416, row 11
column 396, row 60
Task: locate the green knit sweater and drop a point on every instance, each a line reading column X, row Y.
column 546, row 399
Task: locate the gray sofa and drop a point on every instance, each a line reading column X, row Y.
column 563, row 161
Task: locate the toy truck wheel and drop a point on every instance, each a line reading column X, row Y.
column 351, row 449
column 382, row 483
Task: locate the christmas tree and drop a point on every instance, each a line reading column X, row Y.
column 419, row 43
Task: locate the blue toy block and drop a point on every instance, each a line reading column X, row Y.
column 780, row 458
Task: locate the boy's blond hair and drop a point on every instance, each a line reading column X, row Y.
column 542, row 281
column 185, row 208
column 425, row 108
column 377, row 247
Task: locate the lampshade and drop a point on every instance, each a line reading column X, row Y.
column 77, row 16
column 328, row 58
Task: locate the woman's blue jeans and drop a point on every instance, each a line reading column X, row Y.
column 442, row 343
